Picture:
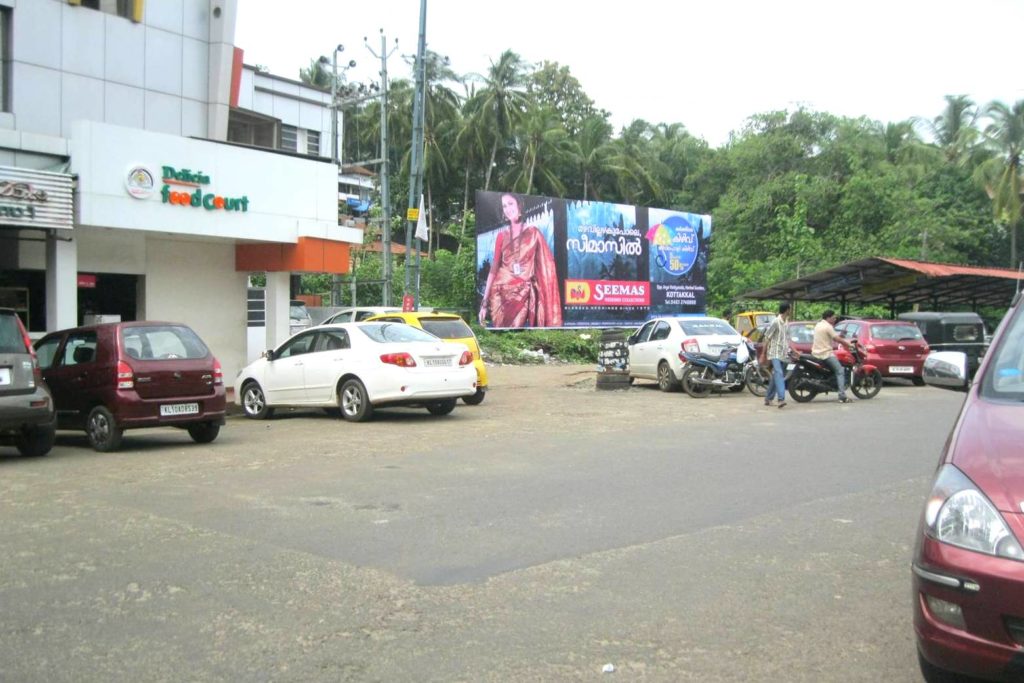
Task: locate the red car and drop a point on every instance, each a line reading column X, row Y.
column 896, row 348
column 968, row 567
column 801, row 335
column 116, row 376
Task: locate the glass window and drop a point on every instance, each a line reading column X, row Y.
column 645, row 332
column 1004, row 377
column 801, row 334
column 313, row 143
column 966, row 333
column 46, row 352
column 297, row 345
column 290, row 138
column 332, row 340
column 11, row 339
column 699, row 327
column 80, row 348
column 162, row 342
column 661, row 331
column 395, row 332
column 447, row 328
column 896, row 332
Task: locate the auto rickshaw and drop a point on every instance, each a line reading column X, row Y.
column 959, row 331
column 748, row 321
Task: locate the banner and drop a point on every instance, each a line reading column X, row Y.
column 546, row 262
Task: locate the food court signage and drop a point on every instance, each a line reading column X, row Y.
column 35, row 199
column 181, row 187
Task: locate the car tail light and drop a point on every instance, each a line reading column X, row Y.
column 869, row 347
column 467, row 358
column 691, row 346
column 403, row 359
column 37, row 373
column 125, row 376
column 218, row 373
column 926, row 349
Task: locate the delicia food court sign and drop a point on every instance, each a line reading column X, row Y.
column 181, row 187
column 35, row 199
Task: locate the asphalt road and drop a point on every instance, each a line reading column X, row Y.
column 548, row 532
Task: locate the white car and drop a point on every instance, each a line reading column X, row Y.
column 654, row 348
column 356, row 313
column 357, row 367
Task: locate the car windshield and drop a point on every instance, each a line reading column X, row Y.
column 395, row 332
column 11, row 340
column 700, row 327
column 162, row 342
column 298, row 312
column 801, row 334
column 896, row 332
column 1004, row 378
column 447, row 328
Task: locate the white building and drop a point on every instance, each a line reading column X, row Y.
column 126, row 105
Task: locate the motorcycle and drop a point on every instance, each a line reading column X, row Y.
column 705, row 372
column 809, row 376
column 756, row 376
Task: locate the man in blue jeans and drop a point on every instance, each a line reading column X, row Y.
column 776, row 345
column 824, row 336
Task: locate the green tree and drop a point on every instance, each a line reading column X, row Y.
column 1005, row 136
column 502, row 101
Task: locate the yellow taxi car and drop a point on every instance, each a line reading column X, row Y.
column 449, row 327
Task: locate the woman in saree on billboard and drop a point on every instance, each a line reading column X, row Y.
column 522, row 285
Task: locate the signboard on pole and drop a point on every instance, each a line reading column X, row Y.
column 548, row 262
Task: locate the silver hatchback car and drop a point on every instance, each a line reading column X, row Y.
column 26, row 408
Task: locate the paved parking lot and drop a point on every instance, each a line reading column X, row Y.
column 539, row 536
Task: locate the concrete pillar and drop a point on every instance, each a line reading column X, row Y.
column 61, row 282
column 277, row 308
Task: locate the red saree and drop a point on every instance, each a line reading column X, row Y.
column 524, row 292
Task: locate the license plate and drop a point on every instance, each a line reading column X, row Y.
column 437, row 362
column 790, row 366
column 179, row 409
column 5, row 376
column 902, row 369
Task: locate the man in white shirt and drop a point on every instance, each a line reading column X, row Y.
column 824, row 335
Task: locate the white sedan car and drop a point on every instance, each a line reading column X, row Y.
column 356, row 367
column 654, row 348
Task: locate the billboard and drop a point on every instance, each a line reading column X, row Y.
column 546, row 262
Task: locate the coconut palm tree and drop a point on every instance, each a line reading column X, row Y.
column 1005, row 136
column 954, row 130
column 502, row 101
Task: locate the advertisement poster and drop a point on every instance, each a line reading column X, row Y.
column 550, row 263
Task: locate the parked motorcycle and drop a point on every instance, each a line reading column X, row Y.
column 756, row 376
column 705, row 372
column 810, row 376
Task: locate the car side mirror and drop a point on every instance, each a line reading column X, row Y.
column 946, row 370
column 269, row 354
column 631, row 339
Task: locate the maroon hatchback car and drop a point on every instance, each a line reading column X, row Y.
column 896, row 348
column 968, row 567
column 116, row 376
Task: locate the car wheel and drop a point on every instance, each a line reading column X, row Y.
column 867, row 385
column 757, row 379
column 35, row 441
column 476, row 399
column 102, row 430
column 441, row 407
column 918, row 381
column 933, row 674
column 802, row 392
column 691, row 381
column 666, row 379
column 354, row 401
column 254, row 402
column 204, row 432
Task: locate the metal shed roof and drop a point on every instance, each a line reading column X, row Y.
column 900, row 281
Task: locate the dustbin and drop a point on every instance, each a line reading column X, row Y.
column 613, row 361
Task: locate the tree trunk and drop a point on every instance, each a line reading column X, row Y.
column 465, row 205
column 494, row 153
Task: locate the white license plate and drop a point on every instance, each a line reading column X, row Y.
column 179, row 409
column 901, row 369
column 437, row 362
column 790, row 366
column 5, row 376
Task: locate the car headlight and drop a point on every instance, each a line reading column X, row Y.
column 959, row 514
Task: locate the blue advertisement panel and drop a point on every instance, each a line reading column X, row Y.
column 547, row 262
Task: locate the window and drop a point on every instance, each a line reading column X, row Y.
column 129, row 9
column 80, row 348
column 250, row 128
column 332, row 340
column 297, row 345
column 313, row 143
column 5, row 58
column 289, row 138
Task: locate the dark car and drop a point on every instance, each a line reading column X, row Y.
column 26, row 410
column 897, row 348
column 116, row 376
column 960, row 331
column 968, row 566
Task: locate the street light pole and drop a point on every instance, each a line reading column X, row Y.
column 385, row 189
column 416, row 161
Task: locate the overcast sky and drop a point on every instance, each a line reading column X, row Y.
column 708, row 64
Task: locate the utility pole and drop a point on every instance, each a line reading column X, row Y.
column 416, row 156
column 385, row 189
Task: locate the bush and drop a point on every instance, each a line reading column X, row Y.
column 516, row 346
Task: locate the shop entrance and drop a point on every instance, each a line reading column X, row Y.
column 108, row 294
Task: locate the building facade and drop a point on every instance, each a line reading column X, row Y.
column 121, row 192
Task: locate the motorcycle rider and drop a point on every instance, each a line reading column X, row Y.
column 775, row 345
column 824, row 335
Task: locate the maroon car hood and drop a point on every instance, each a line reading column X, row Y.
column 989, row 449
